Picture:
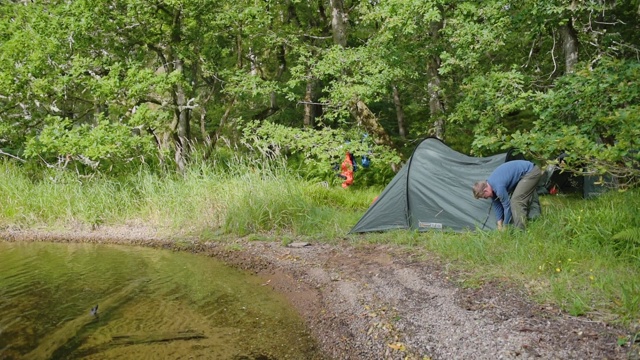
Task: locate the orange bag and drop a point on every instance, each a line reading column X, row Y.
column 347, row 171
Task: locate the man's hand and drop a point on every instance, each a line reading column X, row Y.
column 500, row 225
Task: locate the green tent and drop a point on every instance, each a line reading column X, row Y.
column 433, row 191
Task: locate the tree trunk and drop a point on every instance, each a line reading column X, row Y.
column 203, row 121
column 239, row 51
column 368, row 120
column 399, row 113
column 183, row 131
column 309, row 107
column 569, row 46
column 213, row 138
column 338, row 24
column 282, row 66
column 436, row 106
column 253, row 63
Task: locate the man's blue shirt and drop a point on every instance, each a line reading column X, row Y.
column 503, row 181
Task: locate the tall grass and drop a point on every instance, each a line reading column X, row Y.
column 59, row 199
column 583, row 255
column 234, row 195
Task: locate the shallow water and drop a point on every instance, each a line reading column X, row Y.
column 152, row 304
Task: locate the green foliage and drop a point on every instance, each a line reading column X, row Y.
column 631, row 235
column 320, row 150
column 185, row 72
column 591, row 115
column 401, row 16
column 488, row 103
column 627, row 242
column 100, row 146
column 351, row 77
column 475, row 30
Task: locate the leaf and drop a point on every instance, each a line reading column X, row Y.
column 629, row 235
column 398, row 346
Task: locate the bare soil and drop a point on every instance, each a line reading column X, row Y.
column 386, row 302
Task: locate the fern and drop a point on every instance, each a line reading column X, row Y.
column 631, row 235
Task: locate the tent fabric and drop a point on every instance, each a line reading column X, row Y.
column 433, row 191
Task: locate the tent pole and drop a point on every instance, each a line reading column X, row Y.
column 487, row 218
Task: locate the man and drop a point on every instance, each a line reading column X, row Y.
column 520, row 179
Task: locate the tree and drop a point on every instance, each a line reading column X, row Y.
column 591, row 115
column 539, row 105
column 142, row 74
column 132, row 62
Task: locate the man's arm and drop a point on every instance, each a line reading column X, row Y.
column 497, row 208
column 503, row 197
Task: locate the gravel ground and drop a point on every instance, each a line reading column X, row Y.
column 383, row 302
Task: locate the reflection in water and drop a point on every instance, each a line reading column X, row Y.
column 151, row 304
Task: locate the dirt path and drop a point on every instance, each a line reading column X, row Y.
column 381, row 302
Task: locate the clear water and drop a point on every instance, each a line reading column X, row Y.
column 152, row 304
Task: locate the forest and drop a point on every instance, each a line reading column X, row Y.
column 226, row 121
column 106, row 86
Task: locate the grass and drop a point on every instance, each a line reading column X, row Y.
column 572, row 256
column 583, row 255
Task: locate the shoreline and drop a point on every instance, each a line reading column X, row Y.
column 385, row 302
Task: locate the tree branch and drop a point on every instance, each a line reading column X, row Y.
column 13, row 156
column 553, row 56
